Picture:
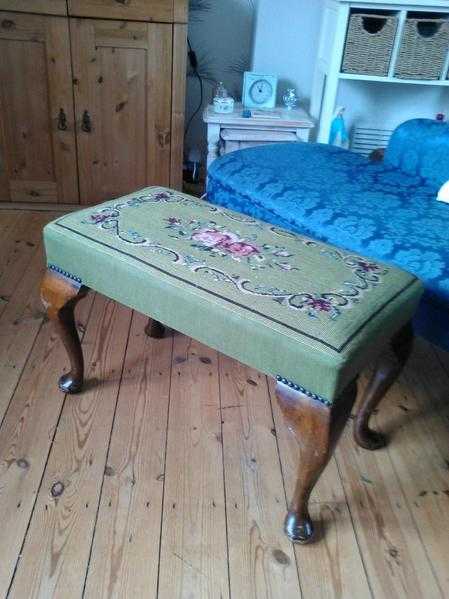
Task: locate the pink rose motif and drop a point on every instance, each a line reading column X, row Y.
column 213, row 238
column 241, row 249
column 225, row 241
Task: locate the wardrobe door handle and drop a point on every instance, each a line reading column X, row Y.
column 62, row 120
column 86, row 122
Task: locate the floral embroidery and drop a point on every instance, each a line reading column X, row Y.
column 216, row 240
column 320, row 304
column 219, row 241
column 167, row 197
column 97, row 218
column 368, row 266
column 227, row 242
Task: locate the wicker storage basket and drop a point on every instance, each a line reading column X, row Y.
column 423, row 50
column 369, row 44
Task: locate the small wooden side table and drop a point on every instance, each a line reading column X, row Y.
column 229, row 132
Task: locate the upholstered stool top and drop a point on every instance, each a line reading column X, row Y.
column 289, row 306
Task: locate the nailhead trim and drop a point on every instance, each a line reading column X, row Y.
column 64, row 273
column 284, row 381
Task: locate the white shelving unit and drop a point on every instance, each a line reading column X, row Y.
column 328, row 74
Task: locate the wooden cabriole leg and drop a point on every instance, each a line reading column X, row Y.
column 155, row 329
column 317, row 428
column 60, row 296
column 386, row 372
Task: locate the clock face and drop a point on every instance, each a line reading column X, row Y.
column 261, row 91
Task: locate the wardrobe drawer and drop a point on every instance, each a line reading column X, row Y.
column 133, row 10
column 42, row 7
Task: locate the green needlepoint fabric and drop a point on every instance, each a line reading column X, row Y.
column 279, row 302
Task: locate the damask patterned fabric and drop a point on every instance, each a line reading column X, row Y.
column 420, row 147
column 282, row 303
column 376, row 209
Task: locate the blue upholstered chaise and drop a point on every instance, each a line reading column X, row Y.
column 386, row 210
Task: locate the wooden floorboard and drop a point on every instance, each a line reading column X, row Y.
column 125, row 553
column 55, row 554
column 26, row 436
column 8, row 221
column 169, row 476
column 391, row 548
column 193, row 545
column 420, row 454
column 261, row 560
column 21, row 311
column 17, row 250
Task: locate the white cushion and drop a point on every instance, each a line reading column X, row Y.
column 443, row 194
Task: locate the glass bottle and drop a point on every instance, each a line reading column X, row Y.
column 290, row 98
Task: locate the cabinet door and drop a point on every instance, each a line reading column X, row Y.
column 122, row 76
column 37, row 138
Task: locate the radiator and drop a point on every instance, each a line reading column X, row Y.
column 366, row 139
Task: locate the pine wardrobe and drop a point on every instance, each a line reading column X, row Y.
column 92, row 96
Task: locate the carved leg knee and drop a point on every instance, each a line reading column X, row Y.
column 317, row 429
column 155, row 329
column 60, row 296
column 386, row 372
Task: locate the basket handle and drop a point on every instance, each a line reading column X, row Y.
column 428, row 29
column 373, row 25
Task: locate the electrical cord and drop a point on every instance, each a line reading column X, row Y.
column 194, row 65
